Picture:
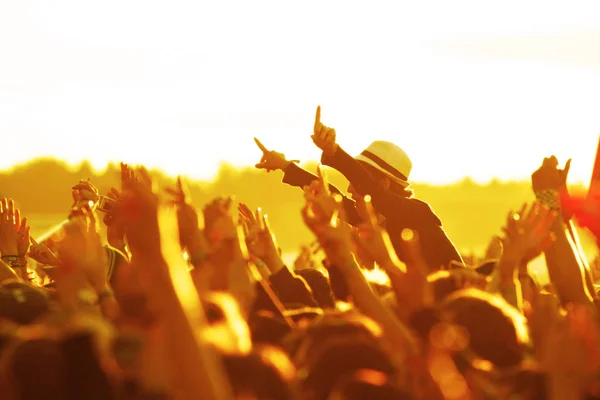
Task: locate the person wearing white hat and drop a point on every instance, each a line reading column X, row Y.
column 382, row 171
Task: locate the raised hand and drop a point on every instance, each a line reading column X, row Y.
column 84, row 192
column 527, row 233
column 374, row 241
column 128, row 176
column 190, row 234
column 139, row 205
column 323, row 136
column 81, row 248
column 249, row 220
column 218, row 224
column 549, row 176
column 272, row 160
column 12, row 230
column 334, row 236
column 23, row 228
column 259, row 236
column 113, row 219
column 323, row 203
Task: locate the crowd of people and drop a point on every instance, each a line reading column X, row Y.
column 186, row 303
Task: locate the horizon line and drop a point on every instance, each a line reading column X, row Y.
column 227, row 165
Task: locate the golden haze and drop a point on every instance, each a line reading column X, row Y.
column 471, row 212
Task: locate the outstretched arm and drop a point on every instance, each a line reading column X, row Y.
column 386, row 202
column 299, row 177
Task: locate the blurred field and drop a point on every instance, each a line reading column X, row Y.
column 42, row 223
column 471, row 213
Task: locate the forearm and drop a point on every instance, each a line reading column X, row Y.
column 197, row 371
column 6, row 272
column 529, row 288
column 587, row 273
column 398, row 334
column 294, row 175
column 506, row 283
column 241, row 285
column 564, row 267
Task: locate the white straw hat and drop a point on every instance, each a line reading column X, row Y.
column 389, row 159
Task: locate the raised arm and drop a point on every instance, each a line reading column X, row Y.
column 299, row 177
column 386, row 202
column 336, row 239
column 197, row 371
column 565, row 268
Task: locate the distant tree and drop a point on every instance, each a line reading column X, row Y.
column 471, row 213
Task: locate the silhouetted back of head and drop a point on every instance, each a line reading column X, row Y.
column 341, row 359
column 265, row 373
column 497, row 331
column 37, row 370
column 368, row 384
column 22, row 303
column 328, row 329
column 319, row 285
column 267, row 328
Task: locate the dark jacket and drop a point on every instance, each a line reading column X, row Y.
column 400, row 212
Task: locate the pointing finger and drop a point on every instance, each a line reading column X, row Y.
column 318, row 117
column 260, row 146
column 567, row 167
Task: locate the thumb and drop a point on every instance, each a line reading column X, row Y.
column 565, row 171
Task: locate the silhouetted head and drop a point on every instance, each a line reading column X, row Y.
column 34, row 369
column 267, row 328
column 334, row 346
column 265, row 373
column 22, row 303
column 319, row 284
column 389, row 165
column 497, row 331
column 367, row 384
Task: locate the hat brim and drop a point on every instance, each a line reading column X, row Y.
column 366, row 160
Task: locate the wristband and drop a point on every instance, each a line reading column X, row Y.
column 12, row 261
column 549, row 198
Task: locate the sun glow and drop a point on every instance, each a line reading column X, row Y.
column 185, row 87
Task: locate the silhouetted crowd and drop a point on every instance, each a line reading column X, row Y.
column 140, row 295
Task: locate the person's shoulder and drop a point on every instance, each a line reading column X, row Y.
column 419, row 203
column 425, row 209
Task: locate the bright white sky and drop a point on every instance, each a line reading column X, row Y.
column 468, row 88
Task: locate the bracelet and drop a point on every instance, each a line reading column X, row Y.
column 12, row 261
column 549, row 198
